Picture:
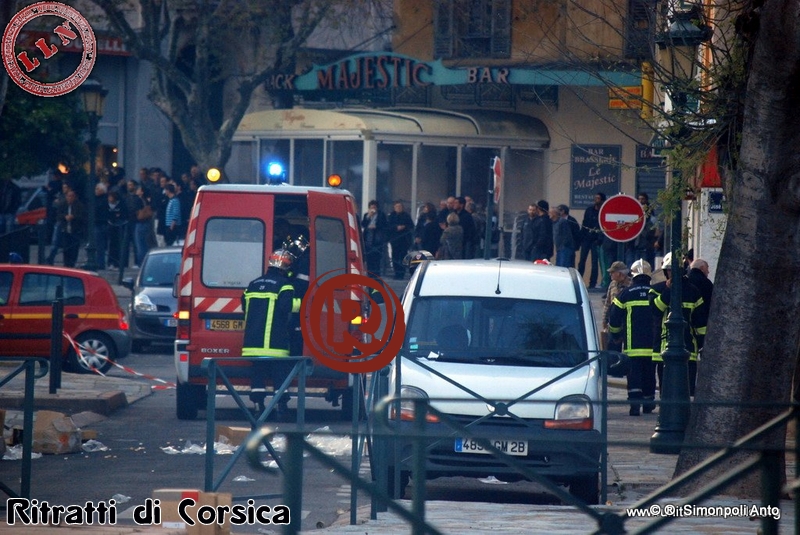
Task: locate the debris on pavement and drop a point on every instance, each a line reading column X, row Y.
column 91, row 446
column 14, row 453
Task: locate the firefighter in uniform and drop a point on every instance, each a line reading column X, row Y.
column 269, row 303
column 630, row 321
column 298, row 272
column 695, row 314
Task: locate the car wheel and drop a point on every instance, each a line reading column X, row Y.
column 586, row 489
column 188, row 398
column 99, row 351
column 405, row 479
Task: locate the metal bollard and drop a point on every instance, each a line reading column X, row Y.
column 124, row 254
column 41, row 241
column 771, row 477
column 380, row 450
column 56, row 328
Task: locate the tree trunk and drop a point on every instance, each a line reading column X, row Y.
column 751, row 349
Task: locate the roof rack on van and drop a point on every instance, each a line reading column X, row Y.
column 423, row 269
column 576, row 285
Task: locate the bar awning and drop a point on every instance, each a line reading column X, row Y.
column 477, row 128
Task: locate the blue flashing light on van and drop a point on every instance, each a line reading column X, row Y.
column 275, row 171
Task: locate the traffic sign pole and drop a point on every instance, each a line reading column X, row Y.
column 492, row 197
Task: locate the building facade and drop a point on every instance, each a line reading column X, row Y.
column 553, row 89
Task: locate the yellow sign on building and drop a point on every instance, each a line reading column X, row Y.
column 625, row 98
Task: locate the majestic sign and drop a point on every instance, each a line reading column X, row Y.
column 594, row 168
column 384, row 70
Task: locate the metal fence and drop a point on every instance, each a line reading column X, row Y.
column 28, row 366
column 605, row 520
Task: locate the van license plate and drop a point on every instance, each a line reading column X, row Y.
column 170, row 322
column 225, row 325
column 507, row 446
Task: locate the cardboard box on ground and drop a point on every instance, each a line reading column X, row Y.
column 170, row 499
column 55, row 433
column 235, row 435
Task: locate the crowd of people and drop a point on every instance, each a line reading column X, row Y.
column 140, row 213
column 552, row 234
column 548, row 234
column 453, row 231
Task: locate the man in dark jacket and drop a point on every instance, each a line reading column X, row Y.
column 590, row 241
column 100, row 207
column 431, row 234
column 698, row 275
column 575, row 227
column 117, row 223
column 563, row 237
column 401, row 236
column 468, row 225
column 527, row 234
column 72, row 220
column 10, row 200
column 373, row 229
column 542, row 232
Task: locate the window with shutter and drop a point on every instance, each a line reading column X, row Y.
column 443, row 35
column 472, row 29
column 501, row 29
column 639, row 26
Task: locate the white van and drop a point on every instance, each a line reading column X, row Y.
column 480, row 336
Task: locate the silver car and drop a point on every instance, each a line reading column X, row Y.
column 153, row 307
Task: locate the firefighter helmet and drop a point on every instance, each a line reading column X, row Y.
column 281, row 259
column 296, row 246
column 667, row 262
column 641, row 267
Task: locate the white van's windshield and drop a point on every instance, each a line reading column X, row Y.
column 491, row 330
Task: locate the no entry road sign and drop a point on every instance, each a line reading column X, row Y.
column 622, row 218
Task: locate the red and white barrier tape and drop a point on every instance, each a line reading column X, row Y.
column 80, row 349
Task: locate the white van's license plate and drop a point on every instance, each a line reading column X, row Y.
column 509, row 447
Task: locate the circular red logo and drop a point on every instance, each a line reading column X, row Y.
column 75, row 26
column 337, row 333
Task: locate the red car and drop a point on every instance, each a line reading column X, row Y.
column 92, row 315
column 34, row 208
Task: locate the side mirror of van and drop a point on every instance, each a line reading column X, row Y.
column 128, row 283
column 175, row 283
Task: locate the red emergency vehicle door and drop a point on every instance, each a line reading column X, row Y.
column 231, row 247
column 335, row 250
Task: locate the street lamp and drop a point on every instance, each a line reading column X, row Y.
column 678, row 49
column 93, row 96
